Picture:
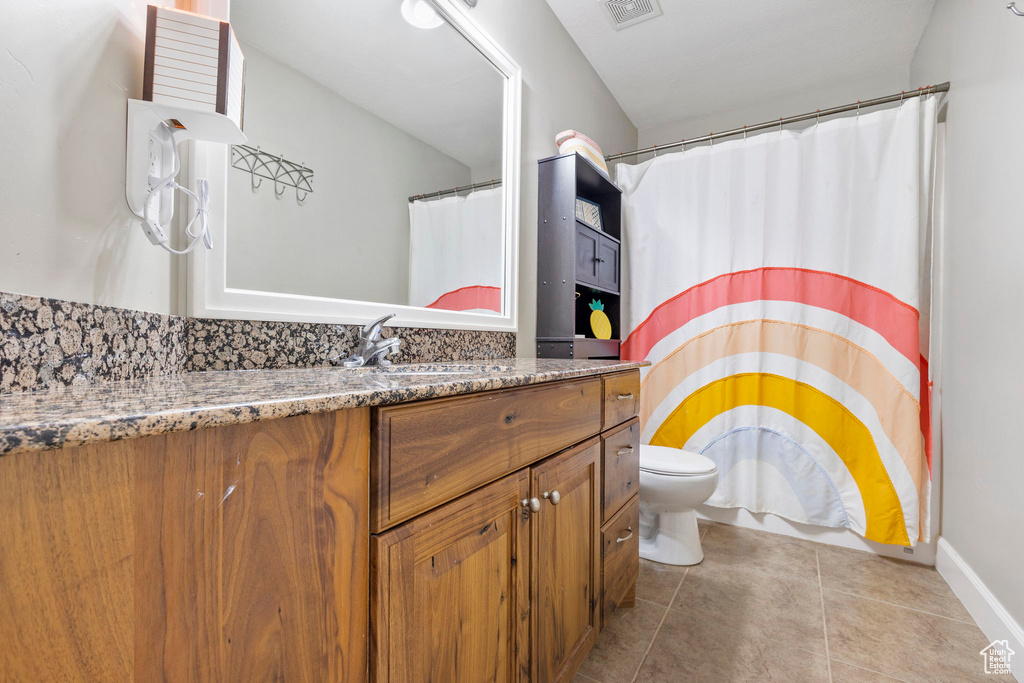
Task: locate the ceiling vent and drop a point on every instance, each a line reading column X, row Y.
column 625, row 13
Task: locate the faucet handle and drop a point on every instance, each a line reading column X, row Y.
column 371, row 331
column 378, row 353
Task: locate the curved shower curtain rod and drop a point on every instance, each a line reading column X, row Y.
column 856, row 106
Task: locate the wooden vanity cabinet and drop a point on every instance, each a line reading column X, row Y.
column 508, row 581
column 231, row 554
column 449, row 591
column 245, row 552
column 620, row 516
column 485, row 589
column 565, row 561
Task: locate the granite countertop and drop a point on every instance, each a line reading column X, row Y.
column 110, row 411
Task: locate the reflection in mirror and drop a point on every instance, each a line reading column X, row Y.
column 365, row 132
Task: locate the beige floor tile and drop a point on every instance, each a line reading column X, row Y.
column 688, row 648
column 580, row 678
column 881, row 578
column 622, row 643
column 847, row 673
column 759, row 552
column 657, row 582
column 755, row 604
column 901, row 642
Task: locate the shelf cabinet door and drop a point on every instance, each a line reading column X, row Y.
column 608, row 264
column 587, row 244
column 450, row 591
column 566, row 552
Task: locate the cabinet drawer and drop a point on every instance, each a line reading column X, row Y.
column 621, row 397
column 621, row 467
column 427, row 453
column 620, row 556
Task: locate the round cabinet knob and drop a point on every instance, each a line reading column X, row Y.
column 533, row 504
column 553, row 496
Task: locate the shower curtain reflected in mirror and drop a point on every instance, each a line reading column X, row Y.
column 777, row 284
column 455, row 252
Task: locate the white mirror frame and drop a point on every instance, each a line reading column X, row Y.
column 209, row 296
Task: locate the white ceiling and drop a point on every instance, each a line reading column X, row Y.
column 431, row 83
column 705, row 56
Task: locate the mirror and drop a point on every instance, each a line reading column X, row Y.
column 376, row 173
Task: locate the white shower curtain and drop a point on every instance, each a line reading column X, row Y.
column 776, row 284
column 456, row 252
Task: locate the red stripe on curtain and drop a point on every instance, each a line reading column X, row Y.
column 896, row 321
column 470, row 298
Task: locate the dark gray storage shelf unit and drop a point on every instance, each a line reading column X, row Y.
column 573, row 257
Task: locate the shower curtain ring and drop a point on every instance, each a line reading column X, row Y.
column 655, row 151
column 744, row 131
column 817, row 117
column 858, row 109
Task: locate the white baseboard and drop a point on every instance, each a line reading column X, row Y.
column 924, row 553
column 992, row 618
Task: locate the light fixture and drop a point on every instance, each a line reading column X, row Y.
column 421, row 14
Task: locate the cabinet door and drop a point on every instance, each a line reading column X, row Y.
column 608, row 264
column 565, row 559
column 587, row 242
column 449, row 591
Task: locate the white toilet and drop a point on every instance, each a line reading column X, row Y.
column 672, row 483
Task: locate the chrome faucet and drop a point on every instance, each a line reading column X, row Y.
column 372, row 349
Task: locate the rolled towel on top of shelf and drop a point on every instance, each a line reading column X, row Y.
column 569, row 141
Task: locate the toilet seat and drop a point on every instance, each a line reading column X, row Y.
column 674, row 462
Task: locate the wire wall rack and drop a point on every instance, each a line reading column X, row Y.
column 262, row 166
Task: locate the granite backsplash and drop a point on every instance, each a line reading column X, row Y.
column 261, row 345
column 51, row 342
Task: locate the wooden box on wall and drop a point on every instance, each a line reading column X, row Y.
column 193, row 61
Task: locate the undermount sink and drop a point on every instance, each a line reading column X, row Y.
column 425, row 372
column 437, row 370
column 400, row 370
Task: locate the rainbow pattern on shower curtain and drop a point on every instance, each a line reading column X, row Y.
column 776, row 294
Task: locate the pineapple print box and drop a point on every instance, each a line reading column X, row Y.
column 599, row 322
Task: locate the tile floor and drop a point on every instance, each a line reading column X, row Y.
column 767, row 607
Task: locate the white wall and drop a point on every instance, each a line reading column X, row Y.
column 560, row 90
column 784, row 105
column 66, row 69
column 979, row 47
column 350, row 238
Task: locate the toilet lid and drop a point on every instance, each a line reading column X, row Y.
column 665, row 460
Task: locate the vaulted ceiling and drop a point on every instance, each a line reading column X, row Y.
column 704, row 56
